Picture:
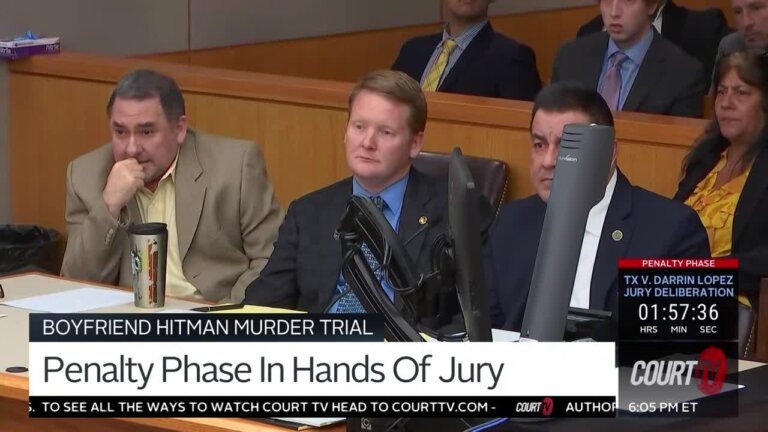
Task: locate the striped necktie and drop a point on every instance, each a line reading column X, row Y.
column 611, row 85
column 434, row 75
column 349, row 303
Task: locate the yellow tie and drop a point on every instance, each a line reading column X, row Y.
column 433, row 77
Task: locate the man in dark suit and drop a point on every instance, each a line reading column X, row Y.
column 629, row 222
column 385, row 130
column 751, row 28
column 468, row 57
column 632, row 66
column 697, row 32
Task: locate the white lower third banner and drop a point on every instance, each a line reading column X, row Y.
column 321, row 379
column 321, row 369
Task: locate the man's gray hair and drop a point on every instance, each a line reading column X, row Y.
column 142, row 84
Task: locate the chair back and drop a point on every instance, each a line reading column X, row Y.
column 491, row 176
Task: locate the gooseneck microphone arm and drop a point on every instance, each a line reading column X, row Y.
column 362, row 223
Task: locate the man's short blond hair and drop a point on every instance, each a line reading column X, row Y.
column 399, row 87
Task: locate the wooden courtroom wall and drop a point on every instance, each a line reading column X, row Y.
column 346, row 57
column 57, row 113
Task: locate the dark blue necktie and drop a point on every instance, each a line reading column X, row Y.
column 349, row 302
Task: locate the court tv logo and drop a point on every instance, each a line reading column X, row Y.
column 709, row 369
column 545, row 407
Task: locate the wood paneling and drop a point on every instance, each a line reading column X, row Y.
column 346, row 57
column 57, row 112
column 544, row 31
column 343, row 57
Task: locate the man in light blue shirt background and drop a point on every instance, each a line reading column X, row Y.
column 631, row 65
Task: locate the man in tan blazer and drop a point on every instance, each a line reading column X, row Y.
column 212, row 192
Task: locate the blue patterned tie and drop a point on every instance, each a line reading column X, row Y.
column 349, row 302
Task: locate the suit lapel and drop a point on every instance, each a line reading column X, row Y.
column 650, row 73
column 593, row 60
column 754, row 188
column 424, row 53
column 190, row 193
column 692, row 178
column 617, row 220
column 415, row 209
column 673, row 21
column 329, row 247
column 468, row 58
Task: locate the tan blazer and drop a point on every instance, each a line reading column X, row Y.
column 227, row 217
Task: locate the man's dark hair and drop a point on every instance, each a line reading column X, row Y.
column 566, row 96
column 142, row 84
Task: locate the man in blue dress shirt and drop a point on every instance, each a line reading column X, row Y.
column 631, row 65
column 385, row 131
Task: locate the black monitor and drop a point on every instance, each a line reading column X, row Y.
column 467, row 249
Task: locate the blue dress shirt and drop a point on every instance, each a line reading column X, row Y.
column 630, row 66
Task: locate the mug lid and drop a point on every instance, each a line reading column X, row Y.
column 153, row 228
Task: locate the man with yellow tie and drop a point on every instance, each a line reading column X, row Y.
column 468, row 57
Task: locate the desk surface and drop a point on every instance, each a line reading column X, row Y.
column 14, row 388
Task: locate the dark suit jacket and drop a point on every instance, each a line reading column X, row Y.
column 750, row 221
column 652, row 227
column 697, row 32
column 669, row 81
column 493, row 65
column 304, row 268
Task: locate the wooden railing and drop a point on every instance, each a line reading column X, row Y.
column 348, row 56
column 57, row 112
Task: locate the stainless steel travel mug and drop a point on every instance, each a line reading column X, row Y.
column 149, row 252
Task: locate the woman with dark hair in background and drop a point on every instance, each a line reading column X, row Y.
column 725, row 176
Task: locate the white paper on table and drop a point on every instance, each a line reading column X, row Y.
column 177, row 311
column 76, row 300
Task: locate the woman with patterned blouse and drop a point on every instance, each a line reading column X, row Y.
column 726, row 173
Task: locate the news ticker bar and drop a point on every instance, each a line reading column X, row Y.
column 468, row 406
column 197, row 327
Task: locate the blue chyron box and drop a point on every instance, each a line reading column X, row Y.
column 17, row 48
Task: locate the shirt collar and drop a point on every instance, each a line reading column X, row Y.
column 466, row 36
column 392, row 195
column 172, row 169
column 596, row 217
column 637, row 52
column 660, row 10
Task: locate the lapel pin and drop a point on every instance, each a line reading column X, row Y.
column 423, row 220
column 617, row 235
